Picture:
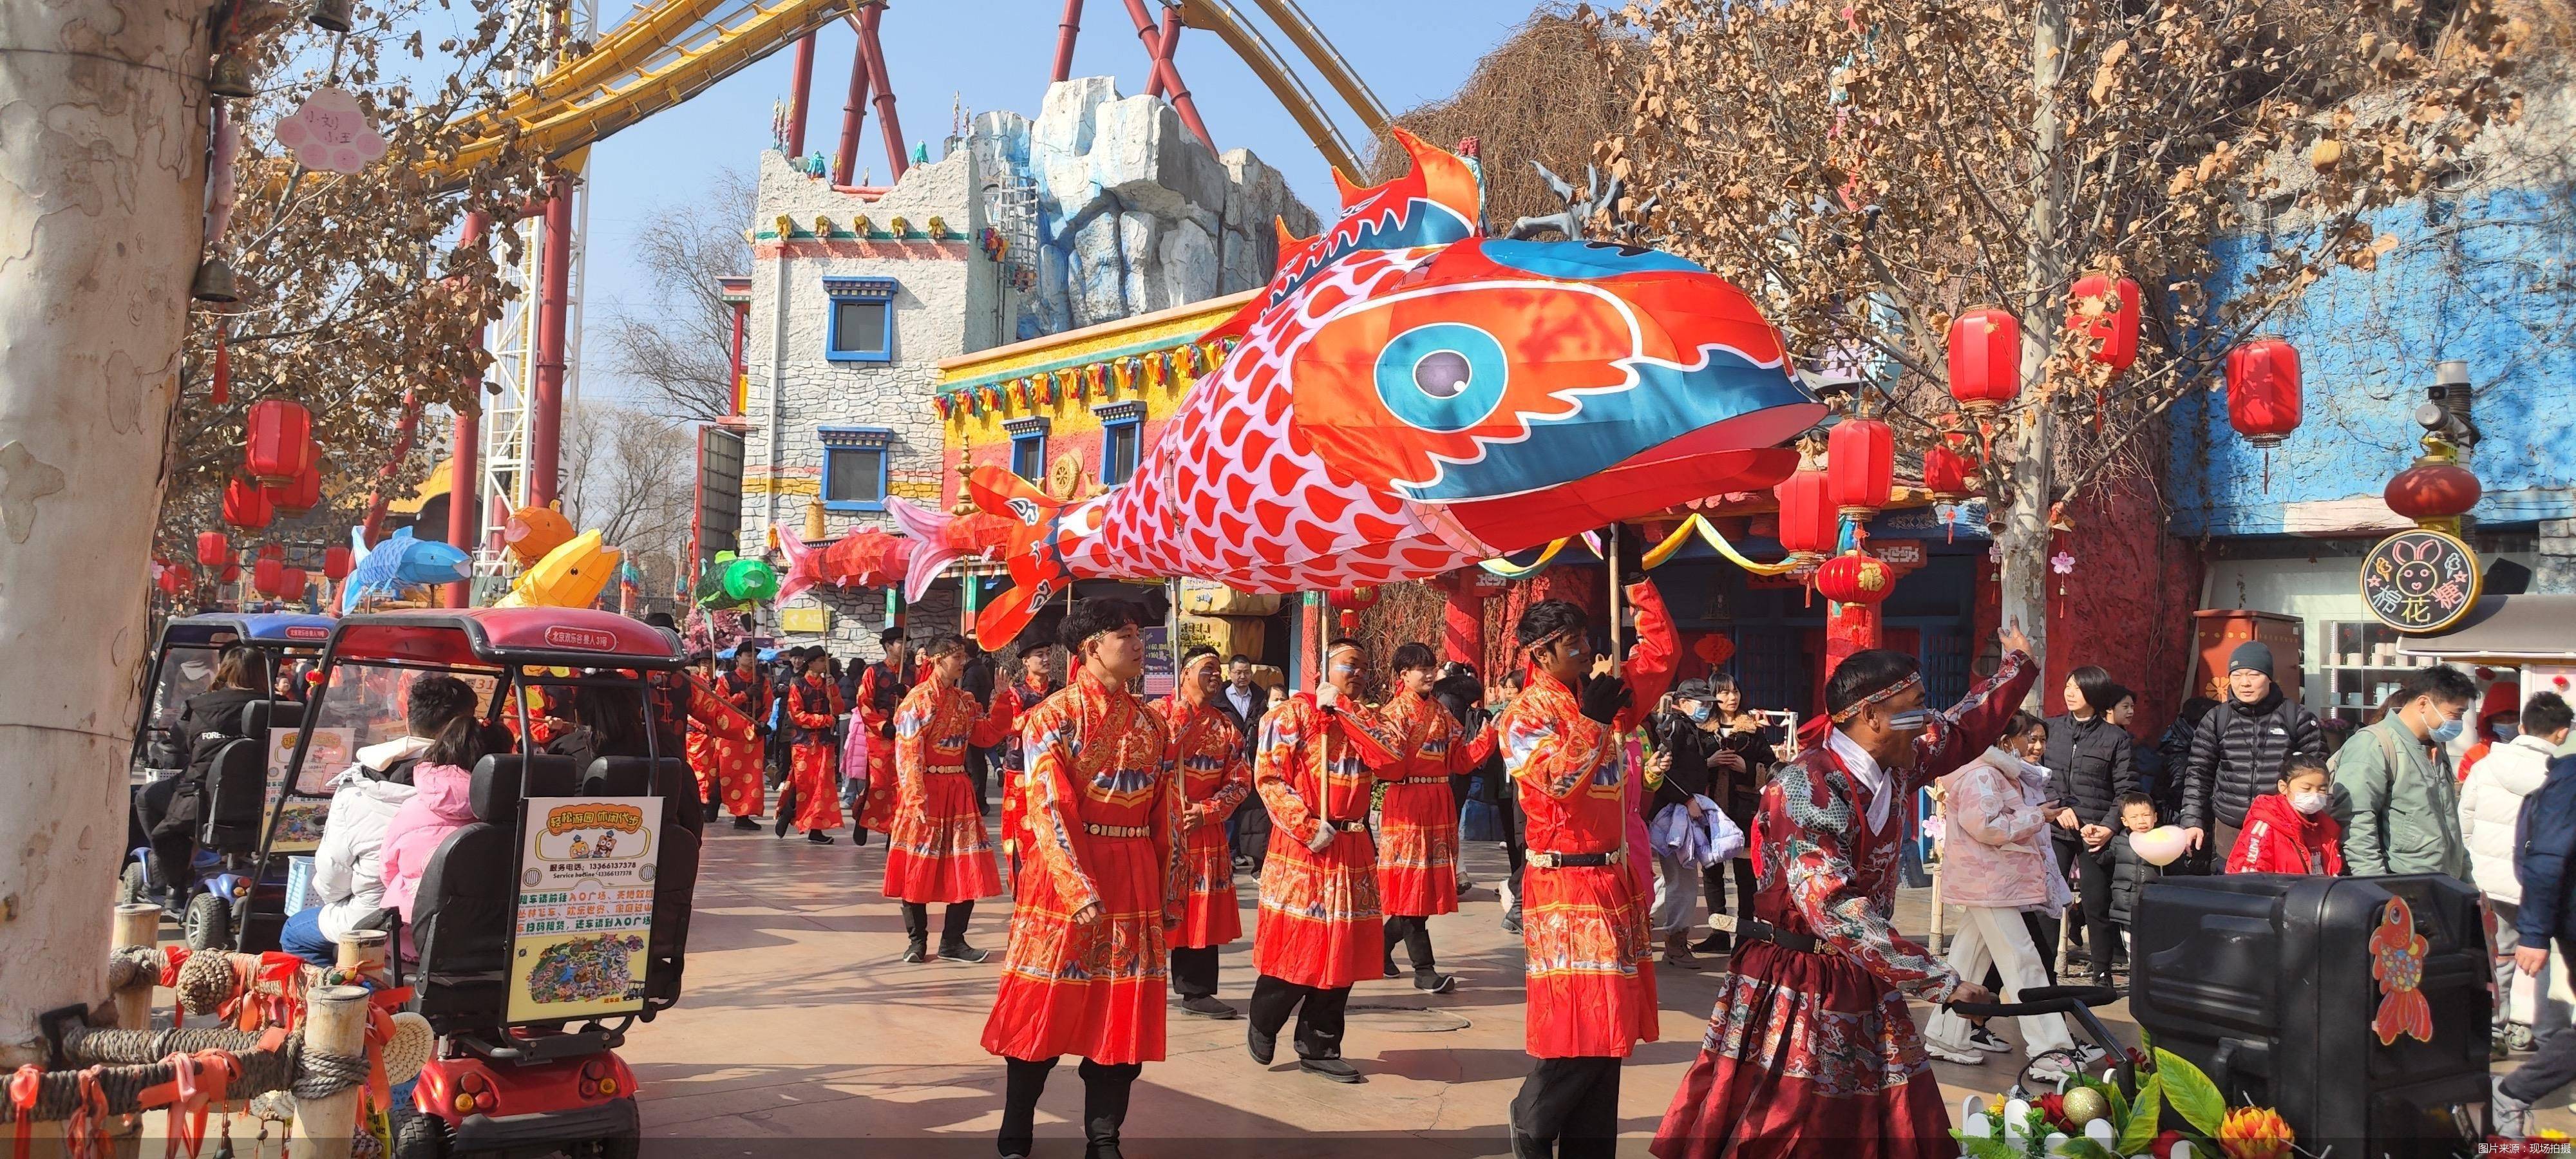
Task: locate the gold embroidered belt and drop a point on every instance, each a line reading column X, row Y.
column 1117, row 830
column 1576, row 860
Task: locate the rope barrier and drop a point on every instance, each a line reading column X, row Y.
column 257, row 1064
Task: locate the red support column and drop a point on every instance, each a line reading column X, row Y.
column 854, row 115
column 1065, row 31
column 734, row 385
column 887, row 126
column 802, row 87
column 1462, row 620
column 1171, row 40
column 545, row 405
column 1168, row 76
column 465, row 458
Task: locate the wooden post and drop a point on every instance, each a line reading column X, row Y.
column 365, row 952
column 136, row 925
column 1610, row 552
column 335, row 1023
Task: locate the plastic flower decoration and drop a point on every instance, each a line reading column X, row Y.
column 2254, row 1133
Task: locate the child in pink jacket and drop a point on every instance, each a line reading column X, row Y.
column 440, row 805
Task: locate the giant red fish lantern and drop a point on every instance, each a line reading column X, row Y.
column 1408, row 397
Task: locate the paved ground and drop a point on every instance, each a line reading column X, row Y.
column 800, row 1031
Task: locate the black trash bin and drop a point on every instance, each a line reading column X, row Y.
column 2264, row 981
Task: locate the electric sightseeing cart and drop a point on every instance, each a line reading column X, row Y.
column 558, row 918
column 212, row 892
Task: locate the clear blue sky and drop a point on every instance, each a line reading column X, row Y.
column 996, row 54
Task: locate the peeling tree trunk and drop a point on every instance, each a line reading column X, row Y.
column 102, row 175
column 2023, row 589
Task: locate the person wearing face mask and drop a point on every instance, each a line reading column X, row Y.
column 2491, row 802
column 2237, row 750
column 2394, row 795
column 1821, row 967
column 2497, row 711
column 2291, row 831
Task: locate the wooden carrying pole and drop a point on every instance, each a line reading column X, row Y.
column 335, row 1023
column 1610, row 552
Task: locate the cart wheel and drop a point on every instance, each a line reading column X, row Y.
column 419, row 1136
column 133, row 884
column 208, row 923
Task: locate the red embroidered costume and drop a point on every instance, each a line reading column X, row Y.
column 1104, row 821
column 1813, row 1054
column 1319, row 911
column 1020, row 699
column 1208, row 753
column 936, row 849
column 813, row 705
column 724, row 749
column 1417, row 851
column 880, row 692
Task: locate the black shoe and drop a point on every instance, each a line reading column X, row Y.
column 785, row 823
column 746, row 824
column 959, row 951
column 1331, row 1068
column 1717, row 942
column 818, row 837
column 1264, row 1047
column 918, row 951
column 1391, row 971
column 1206, row 1006
column 1433, row 982
column 1512, row 924
column 1102, row 1145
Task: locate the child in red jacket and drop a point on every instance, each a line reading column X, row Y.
column 2291, row 831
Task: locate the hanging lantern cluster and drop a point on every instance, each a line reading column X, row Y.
column 246, row 505
column 299, row 495
column 279, row 442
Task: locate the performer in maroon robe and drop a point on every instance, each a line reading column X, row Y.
column 1810, row 1051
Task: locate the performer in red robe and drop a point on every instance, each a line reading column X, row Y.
column 1417, row 830
column 748, row 689
column 813, row 707
column 724, row 750
column 881, row 690
column 1321, row 754
column 1810, row 1051
column 1214, row 780
column 937, row 851
column 1084, row 973
column 1035, row 684
column 1589, row 955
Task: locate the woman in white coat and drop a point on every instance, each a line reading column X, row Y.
column 2490, row 810
column 348, row 867
column 1995, row 863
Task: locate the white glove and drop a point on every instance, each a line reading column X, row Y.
column 1327, row 695
column 1325, row 835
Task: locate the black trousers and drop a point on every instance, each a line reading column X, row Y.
column 1712, row 880
column 1319, row 1014
column 1194, row 972
column 1568, row 1107
column 2093, row 895
column 1415, row 933
column 952, row 925
column 979, row 769
column 171, row 851
column 1105, row 1089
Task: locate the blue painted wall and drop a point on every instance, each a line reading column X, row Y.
column 2490, row 279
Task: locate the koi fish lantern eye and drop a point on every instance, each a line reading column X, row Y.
column 1443, row 376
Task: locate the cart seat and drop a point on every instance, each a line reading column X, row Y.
column 236, row 788
column 461, row 917
column 675, row 869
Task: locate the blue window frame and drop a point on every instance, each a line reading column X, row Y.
column 861, row 327
column 1028, row 446
column 1122, row 429
column 854, row 467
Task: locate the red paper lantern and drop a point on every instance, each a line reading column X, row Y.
column 2433, row 491
column 245, row 505
column 1946, row 473
column 2114, row 331
column 1860, row 466
column 1985, row 359
column 265, row 574
column 335, row 563
column 231, row 574
column 2263, row 391
column 272, row 551
column 213, row 549
column 299, row 495
column 1714, row 648
column 168, row 581
column 292, row 582
column 280, row 441
column 1807, row 518
column 1855, row 578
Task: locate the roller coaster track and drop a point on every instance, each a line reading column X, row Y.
column 674, row 50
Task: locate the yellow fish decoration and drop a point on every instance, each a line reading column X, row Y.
column 570, row 576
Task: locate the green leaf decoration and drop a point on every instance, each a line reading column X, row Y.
column 2139, row 1128
column 2191, row 1092
column 2119, row 1104
column 1975, row 1147
column 2079, row 1147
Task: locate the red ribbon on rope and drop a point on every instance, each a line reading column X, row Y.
column 23, row 1085
column 85, row 1133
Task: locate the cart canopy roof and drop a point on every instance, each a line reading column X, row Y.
column 286, row 629
column 498, row 637
column 2523, row 627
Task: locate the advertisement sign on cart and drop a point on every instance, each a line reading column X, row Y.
column 585, row 909
column 299, row 829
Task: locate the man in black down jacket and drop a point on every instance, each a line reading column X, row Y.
column 2090, row 766
column 2239, row 749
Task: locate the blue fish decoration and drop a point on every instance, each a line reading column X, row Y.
column 400, row 562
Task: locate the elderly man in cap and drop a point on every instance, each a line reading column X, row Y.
column 2238, row 750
